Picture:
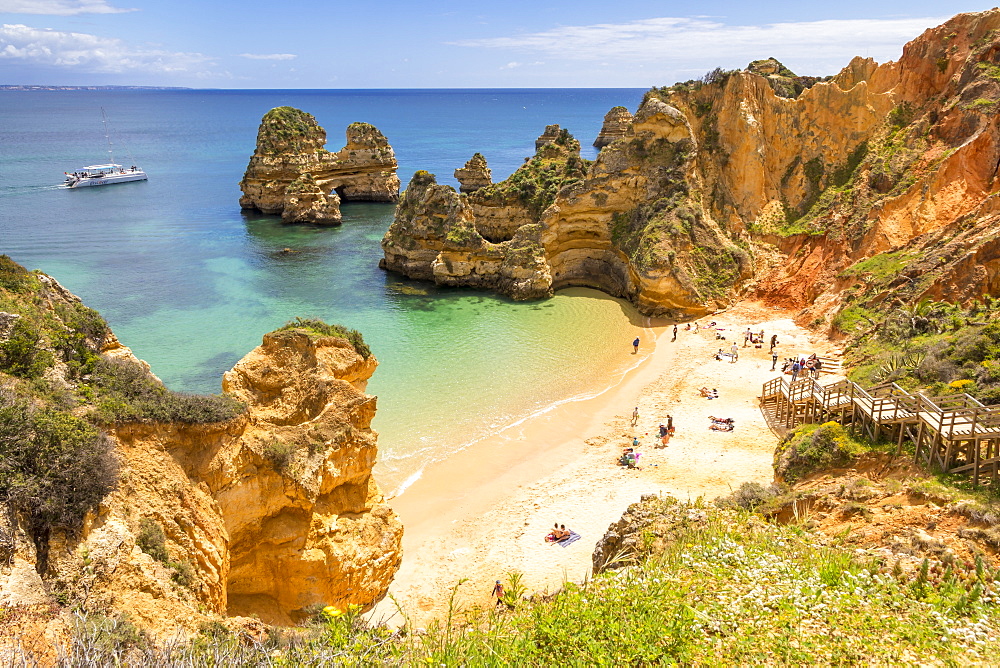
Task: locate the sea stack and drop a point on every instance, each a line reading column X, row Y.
column 616, row 124
column 291, row 173
column 475, row 175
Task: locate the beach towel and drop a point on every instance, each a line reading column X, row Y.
column 573, row 537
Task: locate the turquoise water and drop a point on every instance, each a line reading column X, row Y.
column 191, row 284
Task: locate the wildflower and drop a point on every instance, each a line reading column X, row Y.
column 331, row 612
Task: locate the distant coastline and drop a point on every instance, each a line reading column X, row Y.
column 33, row 87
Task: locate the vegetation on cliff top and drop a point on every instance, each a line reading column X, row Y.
column 57, row 391
column 708, row 585
column 316, row 327
column 284, row 128
column 536, row 183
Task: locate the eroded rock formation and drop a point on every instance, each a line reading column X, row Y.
column 764, row 181
column 291, row 172
column 616, row 123
column 475, row 175
column 590, row 223
column 266, row 513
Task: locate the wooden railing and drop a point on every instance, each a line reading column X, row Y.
column 955, row 432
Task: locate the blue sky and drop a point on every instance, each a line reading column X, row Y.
column 451, row 44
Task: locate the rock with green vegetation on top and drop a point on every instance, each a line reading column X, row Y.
column 291, row 145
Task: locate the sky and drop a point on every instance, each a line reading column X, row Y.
column 448, row 44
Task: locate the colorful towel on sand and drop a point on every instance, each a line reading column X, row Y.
column 573, row 537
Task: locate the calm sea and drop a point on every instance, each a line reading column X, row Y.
column 190, row 283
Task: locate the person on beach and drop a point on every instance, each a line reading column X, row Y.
column 635, row 416
column 736, row 352
column 635, row 442
column 498, row 592
column 774, row 359
column 774, row 341
column 635, row 346
column 670, row 425
column 747, row 335
column 675, row 332
column 796, row 367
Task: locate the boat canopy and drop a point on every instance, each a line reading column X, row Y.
column 90, row 167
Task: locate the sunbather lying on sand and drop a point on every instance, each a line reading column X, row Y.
column 558, row 534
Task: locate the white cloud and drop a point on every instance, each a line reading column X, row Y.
column 511, row 65
column 269, row 56
column 661, row 40
column 88, row 53
column 59, row 7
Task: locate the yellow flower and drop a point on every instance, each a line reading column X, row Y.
column 959, row 384
column 353, row 607
column 332, row 612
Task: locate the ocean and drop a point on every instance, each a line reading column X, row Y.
column 190, row 282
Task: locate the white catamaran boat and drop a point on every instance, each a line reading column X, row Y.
column 104, row 175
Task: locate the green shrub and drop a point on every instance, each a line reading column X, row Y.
column 126, row 392
column 317, row 327
column 54, row 468
column 13, row 276
column 279, row 454
column 152, row 540
column 812, row 448
column 22, row 353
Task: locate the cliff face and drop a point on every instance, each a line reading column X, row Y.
column 475, row 175
column 616, row 124
column 626, row 224
column 293, row 174
column 260, row 511
column 772, row 184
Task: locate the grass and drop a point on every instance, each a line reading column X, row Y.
column 124, row 392
column 728, row 588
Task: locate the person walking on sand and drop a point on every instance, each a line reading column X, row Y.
column 774, row 341
column 746, row 337
column 498, row 592
column 635, row 416
column 635, row 345
column 774, row 359
column 675, row 332
column 736, row 352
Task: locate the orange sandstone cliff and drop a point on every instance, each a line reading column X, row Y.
column 758, row 182
column 265, row 514
column 291, row 173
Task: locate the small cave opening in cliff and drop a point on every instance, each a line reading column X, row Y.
column 493, row 237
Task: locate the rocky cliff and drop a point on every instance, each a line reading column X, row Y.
column 763, row 182
column 616, row 124
column 293, row 174
column 178, row 509
column 475, row 175
column 626, row 224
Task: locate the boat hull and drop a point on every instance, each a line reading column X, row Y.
column 107, row 180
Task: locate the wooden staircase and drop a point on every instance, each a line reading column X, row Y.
column 955, row 433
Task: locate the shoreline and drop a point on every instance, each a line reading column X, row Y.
column 484, row 511
column 500, row 434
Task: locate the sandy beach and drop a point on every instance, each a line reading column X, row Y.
column 485, row 511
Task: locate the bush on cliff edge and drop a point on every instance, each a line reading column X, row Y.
column 54, row 468
column 317, row 327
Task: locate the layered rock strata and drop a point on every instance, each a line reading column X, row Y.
column 475, row 175
column 291, row 173
column 766, row 181
column 616, row 123
column 265, row 514
column 592, row 229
